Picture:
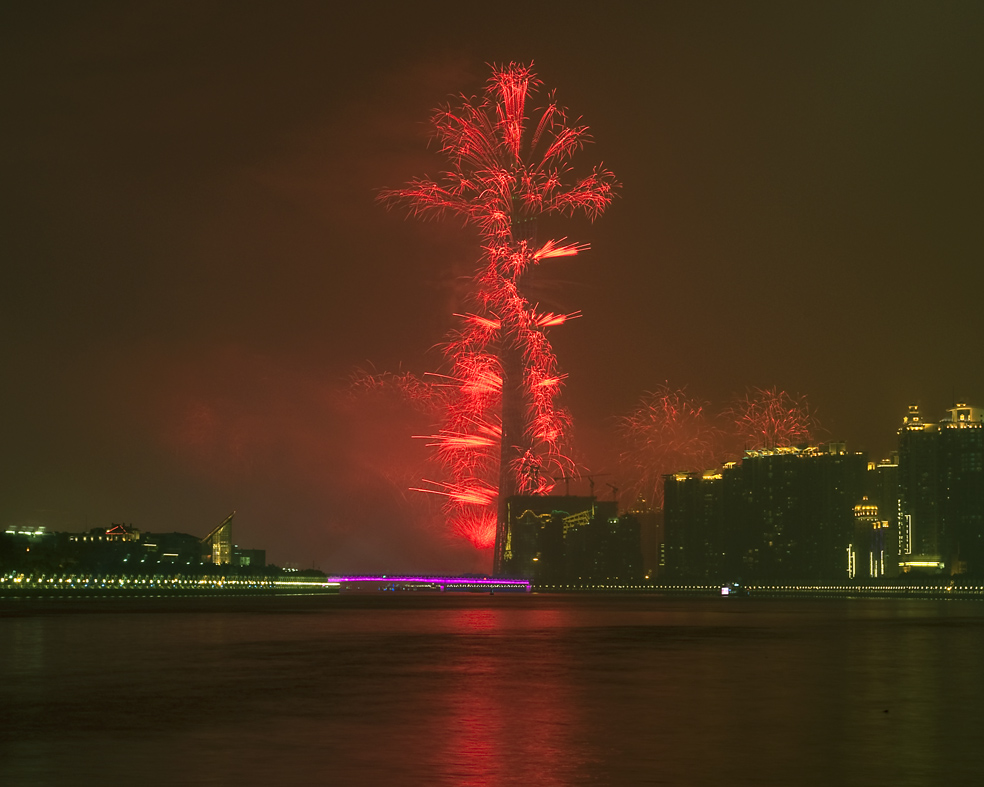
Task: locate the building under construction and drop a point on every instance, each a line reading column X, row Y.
column 554, row 540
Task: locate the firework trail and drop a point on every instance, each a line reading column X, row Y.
column 669, row 431
column 502, row 432
column 422, row 395
column 771, row 418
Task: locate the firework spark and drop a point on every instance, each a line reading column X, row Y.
column 671, row 431
column 668, row 431
column 771, row 418
column 507, row 165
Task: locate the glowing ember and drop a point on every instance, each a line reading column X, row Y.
column 669, row 431
column 507, row 165
column 770, row 418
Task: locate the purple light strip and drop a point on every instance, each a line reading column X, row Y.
column 433, row 580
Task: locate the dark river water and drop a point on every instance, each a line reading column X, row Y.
column 491, row 690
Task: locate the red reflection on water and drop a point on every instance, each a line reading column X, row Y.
column 497, row 728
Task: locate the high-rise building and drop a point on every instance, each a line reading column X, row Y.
column 873, row 551
column 799, row 511
column 960, row 468
column 919, row 523
column 782, row 514
column 817, row 514
column 560, row 539
column 217, row 545
column 941, row 492
column 696, row 522
column 652, row 537
column 883, row 491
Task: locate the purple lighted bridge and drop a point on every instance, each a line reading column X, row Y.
column 388, row 582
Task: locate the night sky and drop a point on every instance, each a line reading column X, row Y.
column 194, row 264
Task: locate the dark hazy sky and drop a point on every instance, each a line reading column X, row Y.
column 194, row 265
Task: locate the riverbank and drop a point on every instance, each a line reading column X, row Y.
column 19, row 585
column 940, row 591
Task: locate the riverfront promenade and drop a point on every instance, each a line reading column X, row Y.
column 18, row 584
column 88, row 585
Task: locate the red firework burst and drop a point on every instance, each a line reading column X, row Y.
column 771, row 418
column 502, row 432
column 668, row 431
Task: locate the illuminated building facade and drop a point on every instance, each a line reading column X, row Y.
column 782, row 514
column 114, row 533
column 217, row 545
column 941, row 492
column 255, row 558
column 961, row 492
column 873, row 552
column 700, row 534
column 652, row 538
column 122, row 549
column 798, row 511
column 919, row 522
column 883, row 491
column 564, row 539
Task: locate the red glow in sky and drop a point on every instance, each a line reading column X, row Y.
column 194, row 261
column 670, row 431
column 506, row 169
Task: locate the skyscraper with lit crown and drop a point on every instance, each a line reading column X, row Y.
column 919, row 524
column 941, row 491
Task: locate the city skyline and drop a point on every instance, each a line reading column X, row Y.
column 925, row 502
column 197, row 266
column 511, row 161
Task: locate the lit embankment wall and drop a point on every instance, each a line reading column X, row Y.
column 19, row 584
column 778, row 591
column 365, row 583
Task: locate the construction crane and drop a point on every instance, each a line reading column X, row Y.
column 567, row 483
column 591, row 481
